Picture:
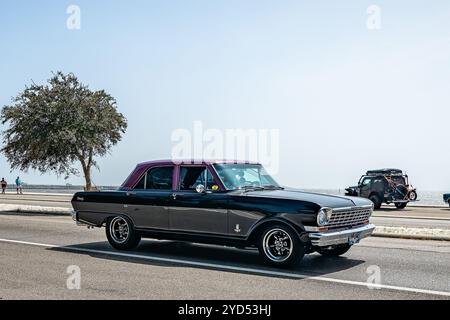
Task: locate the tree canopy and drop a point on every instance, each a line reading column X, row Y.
column 51, row 127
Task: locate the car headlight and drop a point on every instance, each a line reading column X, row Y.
column 324, row 216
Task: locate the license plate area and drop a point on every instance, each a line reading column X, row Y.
column 354, row 238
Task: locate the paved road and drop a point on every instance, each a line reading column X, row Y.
column 36, row 251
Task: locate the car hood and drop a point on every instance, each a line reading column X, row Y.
column 323, row 200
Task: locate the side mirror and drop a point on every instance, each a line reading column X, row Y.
column 200, row 188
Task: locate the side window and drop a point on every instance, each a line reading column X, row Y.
column 191, row 177
column 366, row 182
column 379, row 183
column 157, row 179
column 141, row 183
column 399, row 180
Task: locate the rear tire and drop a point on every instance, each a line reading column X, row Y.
column 280, row 246
column 121, row 234
column 412, row 195
column 334, row 251
column 376, row 201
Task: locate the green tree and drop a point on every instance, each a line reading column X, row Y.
column 51, row 127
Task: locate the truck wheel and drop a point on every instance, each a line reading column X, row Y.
column 376, row 201
column 280, row 246
column 334, row 251
column 400, row 205
column 121, row 234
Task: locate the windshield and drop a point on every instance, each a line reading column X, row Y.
column 243, row 176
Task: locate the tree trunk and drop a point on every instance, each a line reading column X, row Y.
column 87, row 177
column 87, row 174
column 86, row 164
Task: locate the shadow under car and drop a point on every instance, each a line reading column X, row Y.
column 212, row 257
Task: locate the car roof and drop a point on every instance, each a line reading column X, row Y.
column 194, row 161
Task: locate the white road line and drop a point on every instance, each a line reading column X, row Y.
column 43, row 220
column 231, row 268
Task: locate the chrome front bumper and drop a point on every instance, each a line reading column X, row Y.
column 350, row 236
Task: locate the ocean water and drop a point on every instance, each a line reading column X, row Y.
column 426, row 198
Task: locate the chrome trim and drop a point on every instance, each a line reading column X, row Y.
column 311, row 229
column 349, row 216
column 350, row 236
column 369, row 206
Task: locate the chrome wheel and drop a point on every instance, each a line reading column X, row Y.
column 119, row 229
column 277, row 245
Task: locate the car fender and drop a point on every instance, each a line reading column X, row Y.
column 299, row 229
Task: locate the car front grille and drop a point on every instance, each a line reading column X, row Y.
column 349, row 217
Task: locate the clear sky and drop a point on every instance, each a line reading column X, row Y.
column 345, row 98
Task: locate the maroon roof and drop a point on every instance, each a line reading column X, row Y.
column 141, row 168
column 192, row 161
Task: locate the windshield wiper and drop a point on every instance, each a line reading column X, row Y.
column 272, row 187
column 251, row 188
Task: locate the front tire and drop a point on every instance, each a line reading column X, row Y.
column 334, row 251
column 280, row 246
column 376, row 201
column 121, row 234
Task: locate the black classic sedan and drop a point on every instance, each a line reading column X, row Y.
column 224, row 203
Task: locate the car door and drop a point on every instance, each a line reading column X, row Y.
column 147, row 204
column 365, row 187
column 191, row 211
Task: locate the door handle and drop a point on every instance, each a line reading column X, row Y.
column 129, row 193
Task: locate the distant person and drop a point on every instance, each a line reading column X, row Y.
column 19, row 185
column 4, row 185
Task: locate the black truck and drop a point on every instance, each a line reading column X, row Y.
column 384, row 186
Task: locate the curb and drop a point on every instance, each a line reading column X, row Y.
column 412, row 233
column 12, row 208
column 410, row 236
